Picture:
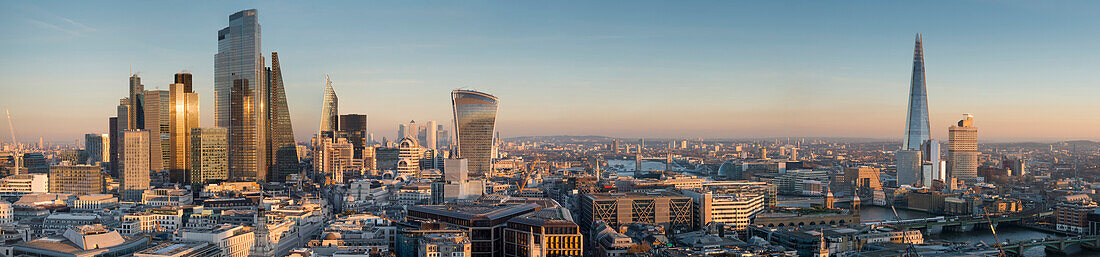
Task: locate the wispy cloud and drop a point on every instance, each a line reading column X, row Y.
column 81, row 26
column 48, row 25
column 66, row 25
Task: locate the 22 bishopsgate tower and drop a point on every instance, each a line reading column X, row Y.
column 246, row 93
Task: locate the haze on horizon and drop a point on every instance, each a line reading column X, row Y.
column 638, row 69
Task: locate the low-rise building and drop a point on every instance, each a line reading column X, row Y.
column 77, row 179
column 15, row 186
column 95, row 202
column 440, row 245
column 90, row 240
column 416, row 193
column 231, row 240
column 161, row 219
column 166, row 197
column 181, row 249
column 478, row 220
column 1071, row 213
column 546, row 232
column 889, row 235
column 733, row 210
column 58, row 222
column 655, row 207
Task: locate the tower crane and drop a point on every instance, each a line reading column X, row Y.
column 17, row 156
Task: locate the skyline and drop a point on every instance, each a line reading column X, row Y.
column 674, row 70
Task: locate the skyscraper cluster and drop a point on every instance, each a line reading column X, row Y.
column 157, row 131
column 430, row 135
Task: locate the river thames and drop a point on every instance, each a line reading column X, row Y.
column 980, row 234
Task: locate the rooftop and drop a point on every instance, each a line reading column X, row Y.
column 632, row 195
column 476, row 211
column 173, row 248
column 547, row 217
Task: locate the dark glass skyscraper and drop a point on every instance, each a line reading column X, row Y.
column 475, row 121
column 354, row 128
column 916, row 122
column 280, row 145
column 240, row 95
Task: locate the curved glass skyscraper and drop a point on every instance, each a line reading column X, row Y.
column 328, row 111
column 916, row 122
column 475, row 120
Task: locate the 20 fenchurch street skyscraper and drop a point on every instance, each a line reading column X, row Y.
column 475, row 121
column 240, row 95
column 916, row 122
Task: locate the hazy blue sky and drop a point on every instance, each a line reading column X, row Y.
column 728, row 69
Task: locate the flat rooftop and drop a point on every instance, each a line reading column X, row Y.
column 475, row 211
column 633, row 195
column 547, row 217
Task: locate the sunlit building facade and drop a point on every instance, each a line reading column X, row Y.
column 962, row 149
column 134, row 164
column 209, row 155
column 77, row 179
column 157, row 121
column 546, row 232
column 184, row 105
column 475, row 115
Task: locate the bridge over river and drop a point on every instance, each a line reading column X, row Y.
column 1056, row 245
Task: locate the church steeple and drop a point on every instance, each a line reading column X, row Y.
column 822, row 248
column 855, row 205
column 262, row 245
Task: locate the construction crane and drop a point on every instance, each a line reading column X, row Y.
column 17, row 156
column 1000, row 248
column 910, row 251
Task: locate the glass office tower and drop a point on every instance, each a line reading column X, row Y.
column 281, row 151
column 475, row 116
column 329, row 110
column 184, row 117
column 240, row 95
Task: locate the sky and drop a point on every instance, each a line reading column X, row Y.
column 655, row 69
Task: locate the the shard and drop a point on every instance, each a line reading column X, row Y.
column 281, row 150
column 916, row 122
